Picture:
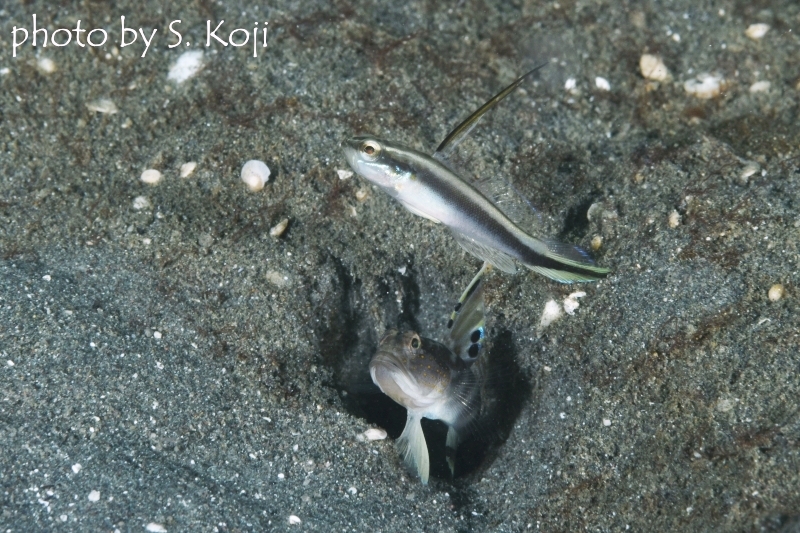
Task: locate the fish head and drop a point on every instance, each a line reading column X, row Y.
column 412, row 370
column 374, row 159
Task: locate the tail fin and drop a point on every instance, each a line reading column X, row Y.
column 413, row 447
column 564, row 263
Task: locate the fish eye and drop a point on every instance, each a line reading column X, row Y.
column 370, row 149
column 414, row 342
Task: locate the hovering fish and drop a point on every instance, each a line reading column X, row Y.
column 434, row 380
column 428, row 187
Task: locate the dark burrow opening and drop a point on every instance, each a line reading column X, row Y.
column 349, row 340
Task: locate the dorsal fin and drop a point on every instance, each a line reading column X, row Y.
column 467, row 324
column 460, row 132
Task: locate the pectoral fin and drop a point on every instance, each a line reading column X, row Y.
column 420, row 213
column 414, row 449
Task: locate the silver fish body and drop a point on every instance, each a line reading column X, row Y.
column 429, row 188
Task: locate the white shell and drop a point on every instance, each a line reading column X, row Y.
column 151, row 176
column 653, row 68
column 188, row 168
column 756, row 31
column 255, row 174
column 704, row 86
column 103, row 105
column 187, row 66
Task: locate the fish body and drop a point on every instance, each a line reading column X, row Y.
column 433, row 380
column 427, row 187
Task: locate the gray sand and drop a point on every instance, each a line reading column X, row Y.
column 207, row 376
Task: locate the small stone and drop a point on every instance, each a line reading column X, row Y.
column 103, row 105
column 188, row 168
column 141, row 202
column 186, row 67
column 571, row 302
column 724, row 405
column 375, row 434
column 674, row 219
column 353, row 491
column 294, row 520
column 570, row 84
column 156, row 335
column 151, row 176
column 606, row 422
column 597, row 242
column 704, row 86
column 551, row 313
column 653, row 68
column 153, row 527
column 278, row 229
column 344, row 174
column 361, row 195
column 94, row 496
column 602, row 83
column 76, row 468
column 776, row 292
column 756, row 31
column 760, row 87
column 45, row 65
column 255, row 174
column 749, row 169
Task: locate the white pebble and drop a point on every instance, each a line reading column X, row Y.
column 46, row 277
column 606, row 422
column 76, row 468
column 571, row 302
column 294, row 520
column 749, row 169
column 187, row 66
column 156, row 334
column 155, row 528
column 278, row 229
column 5, row 71
column 674, row 219
column 188, row 168
column 10, row 362
column 551, row 313
column 375, row 434
column 776, row 292
column 281, row 476
column 64, row 518
column 724, row 405
column 353, row 491
column 94, row 496
column 653, row 68
column 760, row 87
column 141, row 202
column 756, row 31
column 103, row 105
column 151, row 176
column 570, row 84
column 45, row 65
column 704, row 86
column 345, row 174
column 255, row 174
column 602, row 83
column 277, row 279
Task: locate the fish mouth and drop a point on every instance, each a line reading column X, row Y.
column 393, row 378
